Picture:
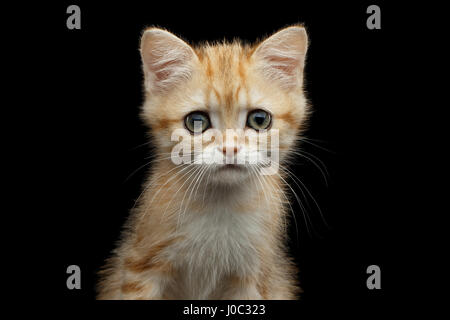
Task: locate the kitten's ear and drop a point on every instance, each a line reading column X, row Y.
column 167, row 60
column 281, row 57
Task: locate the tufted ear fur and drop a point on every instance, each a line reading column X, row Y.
column 167, row 60
column 281, row 57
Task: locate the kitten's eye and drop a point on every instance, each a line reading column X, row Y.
column 259, row 119
column 197, row 116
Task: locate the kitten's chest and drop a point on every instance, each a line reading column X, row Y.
column 215, row 245
column 219, row 241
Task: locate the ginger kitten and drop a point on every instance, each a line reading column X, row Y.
column 213, row 230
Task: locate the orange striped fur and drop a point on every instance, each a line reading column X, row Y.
column 202, row 232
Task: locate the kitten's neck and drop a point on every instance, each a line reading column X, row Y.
column 174, row 195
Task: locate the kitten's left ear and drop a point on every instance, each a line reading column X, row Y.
column 281, row 57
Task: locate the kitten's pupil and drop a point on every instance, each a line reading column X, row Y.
column 259, row 118
column 197, row 117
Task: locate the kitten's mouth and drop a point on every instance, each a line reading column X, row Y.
column 234, row 167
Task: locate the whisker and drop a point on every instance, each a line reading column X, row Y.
column 292, row 210
column 190, row 172
column 144, row 165
column 295, row 178
column 308, row 140
column 184, row 196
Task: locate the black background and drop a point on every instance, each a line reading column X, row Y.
column 91, row 139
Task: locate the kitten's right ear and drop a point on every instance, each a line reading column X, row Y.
column 167, row 60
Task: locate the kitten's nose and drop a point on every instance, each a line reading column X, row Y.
column 231, row 149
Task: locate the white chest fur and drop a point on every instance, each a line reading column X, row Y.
column 216, row 243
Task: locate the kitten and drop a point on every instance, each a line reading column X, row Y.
column 212, row 230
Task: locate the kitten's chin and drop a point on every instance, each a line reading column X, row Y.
column 230, row 174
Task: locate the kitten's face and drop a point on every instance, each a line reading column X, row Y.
column 256, row 91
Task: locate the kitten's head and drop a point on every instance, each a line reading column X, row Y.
column 256, row 90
